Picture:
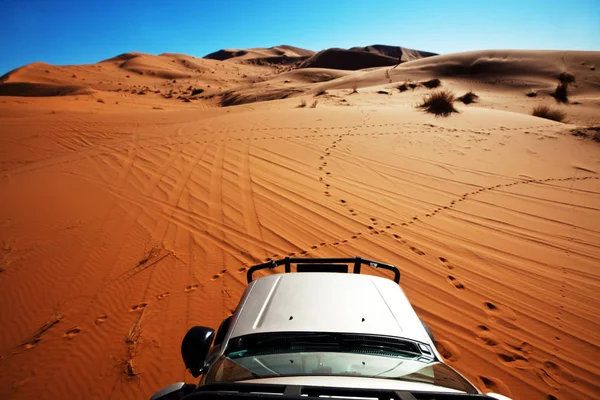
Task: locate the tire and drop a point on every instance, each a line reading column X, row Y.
column 428, row 332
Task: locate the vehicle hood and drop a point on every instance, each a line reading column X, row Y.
column 327, row 302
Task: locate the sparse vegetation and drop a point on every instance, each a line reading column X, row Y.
column 440, row 103
column 565, row 77
column 100, row 101
column 544, row 111
column 382, row 92
column 314, row 104
column 321, row 93
column 469, row 98
column 531, row 93
column 412, row 85
column 197, row 91
column 432, row 83
column 302, row 103
column 132, row 341
column 354, row 88
column 403, row 87
column 592, row 132
column 560, row 93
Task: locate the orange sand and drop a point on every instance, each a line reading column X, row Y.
column 126, row 218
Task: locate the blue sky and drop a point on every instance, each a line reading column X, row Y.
column 85, row 31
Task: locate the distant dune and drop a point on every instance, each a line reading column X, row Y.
column 394, row 52
column 363, row 57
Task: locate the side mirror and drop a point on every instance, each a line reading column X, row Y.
column 175, row 391
column 194, row 348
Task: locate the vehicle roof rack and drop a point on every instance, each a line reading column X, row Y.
column 323, row 265
column 240, row 390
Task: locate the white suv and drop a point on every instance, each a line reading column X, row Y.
column 319, row 332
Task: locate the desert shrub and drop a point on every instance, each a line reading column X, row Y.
column 432, row 83
column 547, row 112
column 531, row 93
column 302, row 103
column 560, row 93
column 565, row 77
column 314, row 104
column 412, row 86
column 468, row 98
column 354, row 88
column 402, row 87
column 382, row 92
column 100, row 101
column 321, row 92
column 440, row 103
column 197, row 91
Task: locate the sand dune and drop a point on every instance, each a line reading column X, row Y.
column 127, row 220
column 395, row 52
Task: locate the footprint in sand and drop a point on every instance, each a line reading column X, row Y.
column 163, row 295
column 101, row 319
column 455, row 282
column 71, row 333
column 500, row 314
column 417, row 251
column 495, row 385
column 446, row 263
column 243, row 269
column 138, row 307
column 513, row 358
column 447, row 350
column 486, row 336
column 553, row 374
column 189, row 288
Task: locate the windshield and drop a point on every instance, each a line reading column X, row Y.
column 324, row 354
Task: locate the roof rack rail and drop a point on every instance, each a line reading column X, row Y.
column 323, row 265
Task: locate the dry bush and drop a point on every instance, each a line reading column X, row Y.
column 197, row 91
column 531, row 93
column 302, row 103
column 469, row 98
column 382, row 92
column 354, row 88
column 432, row 83
column 132, row 342
column 321, row 92
column 100, row 101
column 314, row 104
column 412, row 86
column 547, row 112
column 402, row 87
column 440, row 103
column 565, row 77
column 560, row 93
